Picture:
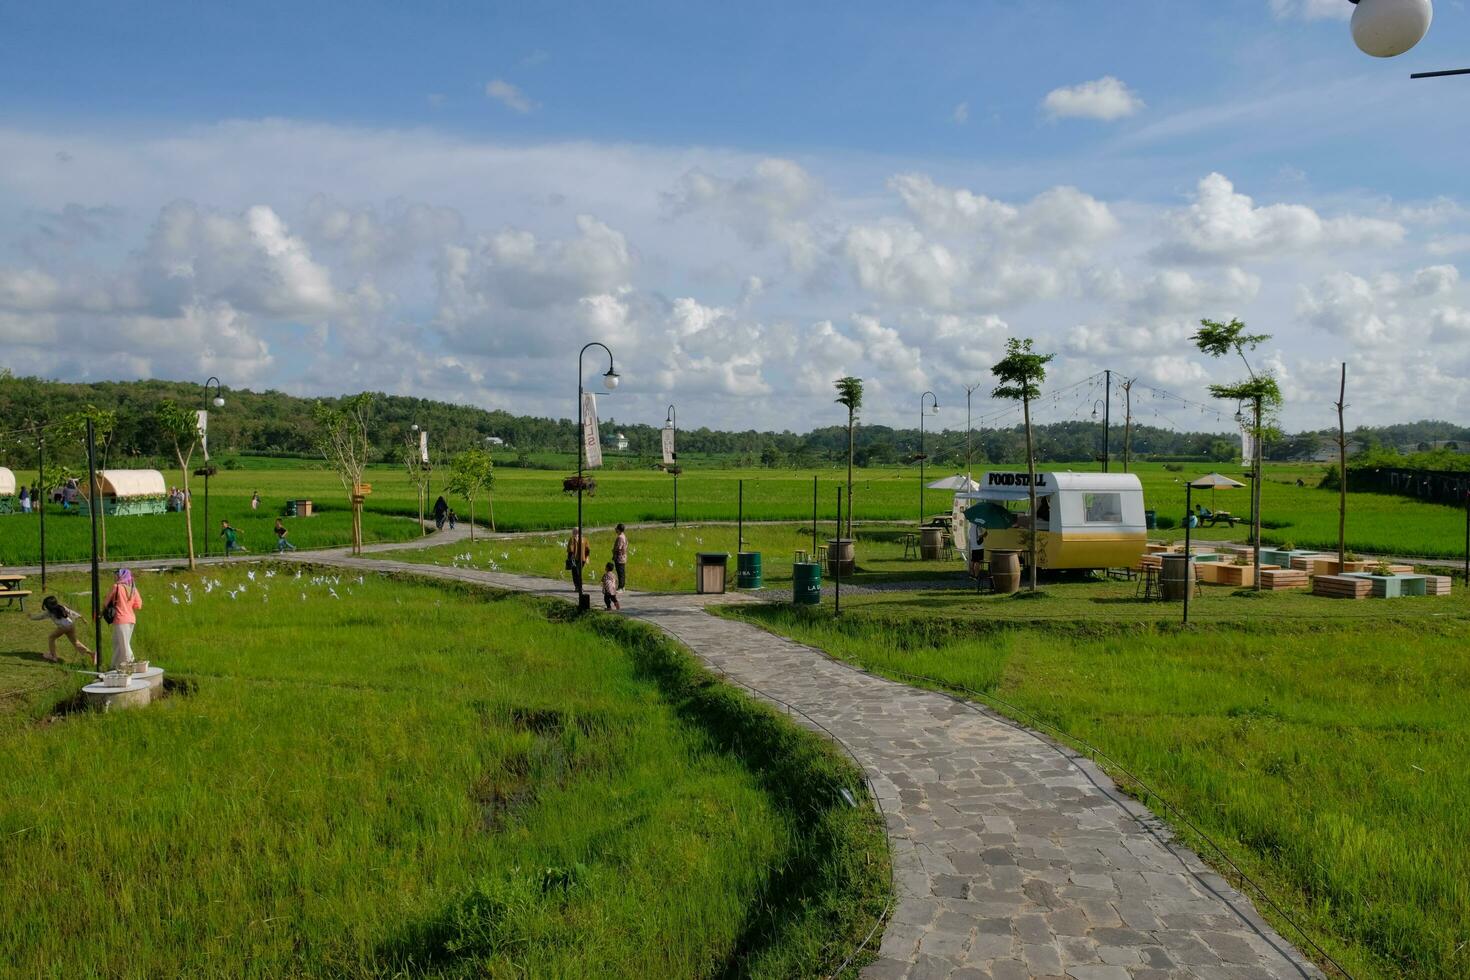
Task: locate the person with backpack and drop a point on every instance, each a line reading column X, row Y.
column 64, row 622
column 281, row 543
column 120, row 608
column 232, row 538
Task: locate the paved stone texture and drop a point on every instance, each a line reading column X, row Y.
column 1013, row 858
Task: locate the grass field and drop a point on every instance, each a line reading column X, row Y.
column 1321, row 742
column 526, row 499
column 365, row 785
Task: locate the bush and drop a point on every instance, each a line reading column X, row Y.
column 1165, row 523
column 1174, row 467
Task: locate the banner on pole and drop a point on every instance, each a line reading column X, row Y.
column 424, row 446
column 203, row 424
column 591, row 441
column 1247, row 446
column 668, row 442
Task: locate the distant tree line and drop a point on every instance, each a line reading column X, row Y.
column 275, row 423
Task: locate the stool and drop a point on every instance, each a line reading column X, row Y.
column 947, row 543
column 911, row 545
column 800, row 558
column 821, row 554
column 1148, row 584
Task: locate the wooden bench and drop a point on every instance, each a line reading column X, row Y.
column 1437, row 584
column 13, row 595
column 1342, row 587
column 1276, row 579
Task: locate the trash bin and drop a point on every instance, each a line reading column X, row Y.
column 841, row 557
column 748, row 570
column 290, row 508
column 710, row 571
column 806, row 583
column 1151, row 519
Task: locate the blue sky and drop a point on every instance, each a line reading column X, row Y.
column 402, row 196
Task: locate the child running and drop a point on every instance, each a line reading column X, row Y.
column 281, row 543
column 64, row 622
column 232, row 538
column 610, row 589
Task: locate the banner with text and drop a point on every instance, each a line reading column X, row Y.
column 424, row 447
column 668, row 440
column 203, row 423
column 591, row 441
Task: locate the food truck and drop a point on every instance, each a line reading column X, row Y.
column 1083, row 520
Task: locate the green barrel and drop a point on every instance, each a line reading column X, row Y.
column 806, row 583
column 748, row 570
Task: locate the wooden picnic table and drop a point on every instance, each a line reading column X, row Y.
column 11, row 591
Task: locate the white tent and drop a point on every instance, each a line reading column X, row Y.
column 7, row 482
column 125, row 484
column 957, row 482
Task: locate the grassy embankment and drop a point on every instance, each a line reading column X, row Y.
column 1321, row 742
column 366, row 786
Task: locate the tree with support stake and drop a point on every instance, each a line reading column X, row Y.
column 1021, row 372
column 1260, row 390
column 850, row 396
column 180, row 426
column 471, row 474
column 342, row 438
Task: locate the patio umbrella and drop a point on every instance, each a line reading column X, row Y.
column 956, row 482
column 1213, row 482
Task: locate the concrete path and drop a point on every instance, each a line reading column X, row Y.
column 1013, row 858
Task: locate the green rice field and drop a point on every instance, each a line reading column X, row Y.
column 349, row 780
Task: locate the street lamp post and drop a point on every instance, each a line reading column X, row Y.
column 219, row 402
column 922, row 455
column 969, row 390
column 610, row 380
column 672, row 421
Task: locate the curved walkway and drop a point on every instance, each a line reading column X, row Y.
column 1013, row 858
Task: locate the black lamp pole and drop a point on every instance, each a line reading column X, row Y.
column 672, row 421
column 94, row 504
column 611, row 380
column 41, row 501
column 922, row 456
column 1188, row 516
column 219, row 401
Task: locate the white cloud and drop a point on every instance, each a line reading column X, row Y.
column 509, row 96
column 960, row 114
column 1106, row 99
column 1225, row 224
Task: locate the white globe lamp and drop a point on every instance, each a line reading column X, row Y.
column 219, row 402
column 1388, row 28
column 610, row 379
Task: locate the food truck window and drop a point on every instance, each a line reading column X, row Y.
column 1103, row 508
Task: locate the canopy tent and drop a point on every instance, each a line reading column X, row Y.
column 125, row 484
column 957, row 482
column 7, row 482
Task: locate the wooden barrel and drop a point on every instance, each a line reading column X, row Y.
column 931, row 543
column 1176, row 576
column 1005, row 571
column 841, row 557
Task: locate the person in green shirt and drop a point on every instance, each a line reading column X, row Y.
column 232, row 538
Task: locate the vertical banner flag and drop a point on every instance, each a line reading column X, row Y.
column 591, row 441
column 203, row 424
column 668, row 441
column 424, row 446
column 1247, row 446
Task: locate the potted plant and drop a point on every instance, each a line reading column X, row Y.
column 571, row 484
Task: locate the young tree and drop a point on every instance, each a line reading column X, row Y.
column 342, row 438
column 418, row 472
column 472, row 473
column 1020, row 373
column 1260, row 390
column 850, row 395
column 180, row 426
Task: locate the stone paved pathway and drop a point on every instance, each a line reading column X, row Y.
column 1012, row 858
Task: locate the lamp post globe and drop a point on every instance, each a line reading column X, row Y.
column 610, row 379
column 1388, row 28
column 219, row 402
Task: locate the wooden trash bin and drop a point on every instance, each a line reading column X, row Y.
column 1005, row 572
column 841, row 558
column 931, row 543
column 711, row 569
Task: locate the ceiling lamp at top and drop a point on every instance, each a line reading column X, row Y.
column 1388, row 28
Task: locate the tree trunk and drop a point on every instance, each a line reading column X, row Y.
column 1341, row 476
column 490, row 502
column 1030, row 485
column 849, row 473
column 423, row 529
column 472, row 520
column 188, row 510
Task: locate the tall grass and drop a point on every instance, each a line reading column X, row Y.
column 414, row 779
column 1328, row 760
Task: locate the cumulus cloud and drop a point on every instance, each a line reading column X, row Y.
column 1106, row 99
column 1385, row 311
column 510, row 96
column 768, row 205
column 1222, row 223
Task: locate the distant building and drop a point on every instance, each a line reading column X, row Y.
column 1328, row 452
column 494, row 441
column 618, row 442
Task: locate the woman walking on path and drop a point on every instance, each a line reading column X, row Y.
column 578, row 551
column 124, row 601
column 620, row 557
column 441, row 509
column 64, row 622
column 281, row 543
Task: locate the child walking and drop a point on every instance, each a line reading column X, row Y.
column 64, row 622
column 610, row 589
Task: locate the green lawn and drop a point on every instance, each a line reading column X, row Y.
column 1322, row 742
column 526, row 499
column 414, row 779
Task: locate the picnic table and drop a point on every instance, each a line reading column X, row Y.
column 11, row 591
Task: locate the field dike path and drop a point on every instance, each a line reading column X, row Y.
column 1013, row 857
